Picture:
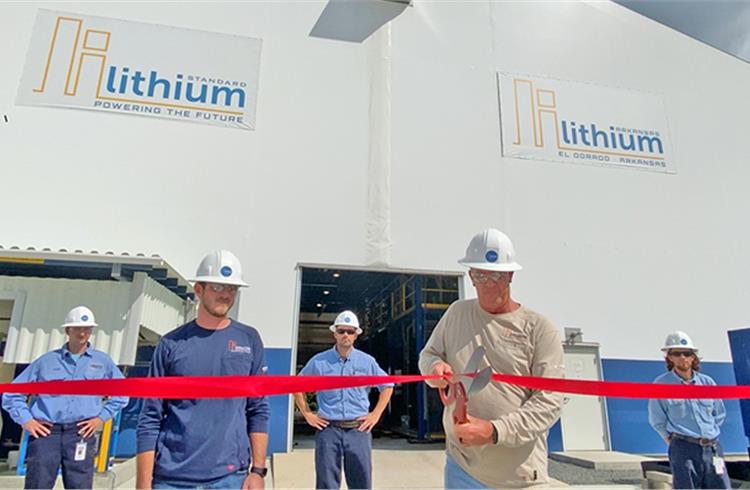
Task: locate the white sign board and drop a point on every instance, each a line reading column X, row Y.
column 97, row 63
column 576, row 122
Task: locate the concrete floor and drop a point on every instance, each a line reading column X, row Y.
column 399, row 464
column 396, row 464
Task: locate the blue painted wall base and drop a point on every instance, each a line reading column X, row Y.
column 628, row 419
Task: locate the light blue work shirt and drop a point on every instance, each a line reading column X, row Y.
column 692, row 418
column 58, row 365
column 347, row 403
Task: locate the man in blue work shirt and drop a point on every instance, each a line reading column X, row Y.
column 62, row 427
column 207, row 443
column 344, row 419
column 690, row 427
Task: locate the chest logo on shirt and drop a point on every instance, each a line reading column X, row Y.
column 233, row 347
column 94, row 365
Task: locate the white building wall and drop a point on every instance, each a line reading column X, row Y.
column 625, row 255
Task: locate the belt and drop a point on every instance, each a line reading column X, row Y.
column 345, row 424
column 701, row 441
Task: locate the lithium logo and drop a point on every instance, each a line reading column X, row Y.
column 134, row 87
column 114, row 65
column 570, row 121
column 572, row 136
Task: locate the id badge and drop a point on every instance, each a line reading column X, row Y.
column 718, row 465
column 81, row 451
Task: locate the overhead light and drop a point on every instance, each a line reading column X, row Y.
column 336, row 275
column 319, row 305
column 326, row 292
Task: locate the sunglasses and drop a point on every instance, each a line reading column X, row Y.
column 217, row 288
column 682, row 353
column 344, row 331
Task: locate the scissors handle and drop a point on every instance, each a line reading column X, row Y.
column 446, row 394
column 455, row 393
column 460, row 410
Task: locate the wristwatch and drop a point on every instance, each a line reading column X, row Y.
column 262, row 472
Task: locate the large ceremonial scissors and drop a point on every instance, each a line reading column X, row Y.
column 455, row 392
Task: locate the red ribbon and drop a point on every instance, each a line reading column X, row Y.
column 191, row 387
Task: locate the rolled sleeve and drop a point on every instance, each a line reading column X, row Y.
column 376, row 370
column 657, row 417
column 115, row 403
column 16, row 403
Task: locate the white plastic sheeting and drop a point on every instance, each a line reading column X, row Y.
column 121, row 309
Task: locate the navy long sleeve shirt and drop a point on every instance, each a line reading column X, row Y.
column 206, row 439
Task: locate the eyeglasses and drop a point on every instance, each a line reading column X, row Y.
column 483, row 277
column 344, row 331
column 682, row 353
column 218, row 288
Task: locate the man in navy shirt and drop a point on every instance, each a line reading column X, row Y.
column 344, row 419
column 62, row 427
column 208, row 443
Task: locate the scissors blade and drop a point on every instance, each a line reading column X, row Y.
column 480, row 381
column 473, row 362
column 471, row 366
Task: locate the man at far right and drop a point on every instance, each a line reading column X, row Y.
column 689, row 427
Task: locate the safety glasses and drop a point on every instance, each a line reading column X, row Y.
column 345, row 331
column 483, row 277
column 218, row 288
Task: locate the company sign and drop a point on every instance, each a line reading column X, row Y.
column 575, row 122
column 102, row 64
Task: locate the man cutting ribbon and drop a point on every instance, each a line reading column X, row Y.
column 504, row 442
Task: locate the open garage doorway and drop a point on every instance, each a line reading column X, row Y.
column 397, row 311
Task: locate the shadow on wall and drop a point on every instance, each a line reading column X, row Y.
column 355, row 21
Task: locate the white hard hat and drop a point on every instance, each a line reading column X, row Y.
column 220, row 267
column 491, row 250
column 80, row 316
column 678, row 340
column 346, row 319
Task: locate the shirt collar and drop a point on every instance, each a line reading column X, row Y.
column 338, row 356
column 691, row 381
column 67, row 353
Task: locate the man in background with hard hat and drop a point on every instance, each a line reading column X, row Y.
column 208, row 443
column 689, row 427
column 504, row 442
column 344, row 420
column 62, row 427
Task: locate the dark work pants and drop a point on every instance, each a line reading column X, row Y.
column 334, row 444
column 692, row 465
column 46, row 454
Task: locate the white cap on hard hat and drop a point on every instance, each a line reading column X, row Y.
column 346, row 319
column 491, row 250
column 220, row 267
column 80, row 316
column 678, row 340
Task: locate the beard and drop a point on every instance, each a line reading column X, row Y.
column 218, row 310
